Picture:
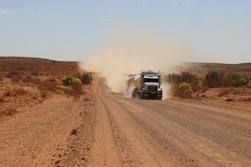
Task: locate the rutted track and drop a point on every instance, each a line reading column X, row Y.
column 173, row 133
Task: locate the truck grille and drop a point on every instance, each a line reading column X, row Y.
column 152, row 88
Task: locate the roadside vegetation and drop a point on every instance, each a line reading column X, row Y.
column 73, row 85
column 28, row 81
column 185, row 83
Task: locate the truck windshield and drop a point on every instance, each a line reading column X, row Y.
column 151, row 80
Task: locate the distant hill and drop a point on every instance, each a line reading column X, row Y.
column 203, row 68
column 36, row 65
column 197, row 68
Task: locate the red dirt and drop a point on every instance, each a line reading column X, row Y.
column 42, row 126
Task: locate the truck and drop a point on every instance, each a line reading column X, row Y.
column 147, row 85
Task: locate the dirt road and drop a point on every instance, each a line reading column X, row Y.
column 108, row 129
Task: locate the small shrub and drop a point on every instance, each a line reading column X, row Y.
column 192, row 79
column 67, row 81
column 187, row 77
column 239, row 79
column 185, row 90
column 173, row 78
column 86, row 78
column 77, row 85
column 212, row 79
column 73, row 86
column 76, row 81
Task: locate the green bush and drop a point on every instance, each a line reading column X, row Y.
column 86, row 78
column 73, row 86
column 190, row 78
column 185, row 90
column 76, row 84
column 67, row 81
column 187, row 77
column 212, row 79
column 173, row 78
column 239, row 79
column 76, row 81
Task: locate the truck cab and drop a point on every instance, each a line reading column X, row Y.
column 150, row 82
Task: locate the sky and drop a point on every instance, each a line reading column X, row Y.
column 205, row 30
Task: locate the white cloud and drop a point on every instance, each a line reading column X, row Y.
column 7, row 12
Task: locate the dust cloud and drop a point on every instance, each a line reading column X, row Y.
column 130, row 52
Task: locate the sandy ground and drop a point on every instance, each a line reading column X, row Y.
column 105, row 129
column 41, row 125
column 41, row 135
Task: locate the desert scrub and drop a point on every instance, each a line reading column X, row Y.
column 73, row 86
column 77, row 85
column 185, row 90
column 239, row 79
column 67, row 81
column 212, row 79
column 86, row 78
column 187, row 77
